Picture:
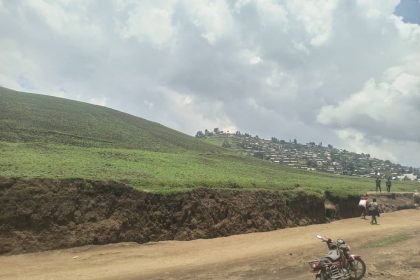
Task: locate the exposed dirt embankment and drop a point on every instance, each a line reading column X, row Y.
column 337, row 207
column 48, row 214
column 390, row 202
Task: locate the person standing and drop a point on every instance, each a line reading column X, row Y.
column 378, row 184
column 388, row 184
column 416, row 198
column 374, row 212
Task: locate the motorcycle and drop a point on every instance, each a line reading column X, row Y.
column 338, row 264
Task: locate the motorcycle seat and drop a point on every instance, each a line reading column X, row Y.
column 333, row 255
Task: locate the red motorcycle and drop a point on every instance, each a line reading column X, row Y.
column 338, row 264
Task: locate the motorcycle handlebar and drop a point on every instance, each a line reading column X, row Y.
column 324, row 239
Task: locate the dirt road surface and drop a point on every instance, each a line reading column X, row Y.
column 278, row 254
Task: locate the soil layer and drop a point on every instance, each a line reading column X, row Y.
column 43, row 214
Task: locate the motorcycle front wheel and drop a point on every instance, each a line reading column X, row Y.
column 358, row 270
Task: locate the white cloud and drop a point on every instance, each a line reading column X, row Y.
column 150, row 21
column 195, row 112
column 15, row 65
column 272, row 13
column 407, row 31
column 382, row 102
column 377, row 8
column 212, row 17
column 357, row 141
column 384, row 112
column 101, row 101
column 69, row 19
column 317, row 18
column 249, row 57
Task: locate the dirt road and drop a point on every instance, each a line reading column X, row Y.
column 278, row 254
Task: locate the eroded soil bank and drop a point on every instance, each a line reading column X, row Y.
column 45, row 214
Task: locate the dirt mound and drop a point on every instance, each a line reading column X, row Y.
column 48, row 214
column 390, row 202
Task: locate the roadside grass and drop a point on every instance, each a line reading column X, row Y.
column 168, row 172
column 388, row 240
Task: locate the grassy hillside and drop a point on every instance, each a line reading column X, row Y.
column 26, row 117
column 50, row 137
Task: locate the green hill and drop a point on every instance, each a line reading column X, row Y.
column 49, row 137
column 26, row 117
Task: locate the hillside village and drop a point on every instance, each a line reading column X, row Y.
column 310, row 156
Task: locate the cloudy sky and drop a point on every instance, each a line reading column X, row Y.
column 345, row 73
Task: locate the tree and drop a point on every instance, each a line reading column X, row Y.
column 216, row 130
column 311, row 163
column 259, row 155
column 351, row 167
column 294, row 141
column 238, row 133
column 199, row 134
column 226, row 144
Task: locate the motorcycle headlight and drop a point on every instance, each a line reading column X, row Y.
column 314, row 265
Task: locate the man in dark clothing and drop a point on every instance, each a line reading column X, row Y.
column 388, row 184
column 378, row 184
column 374, row 212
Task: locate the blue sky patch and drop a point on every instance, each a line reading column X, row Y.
column 409, row 10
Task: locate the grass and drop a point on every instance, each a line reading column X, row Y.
column 388, row 240
column 170, row 171
column 26, row 117
column 49, row 137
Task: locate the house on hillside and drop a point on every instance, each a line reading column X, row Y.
column 409, row 176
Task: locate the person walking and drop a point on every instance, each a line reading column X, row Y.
column 363, row 205
column 378, row 184
column 374, row 212
column 388, row 184
column 416, row 198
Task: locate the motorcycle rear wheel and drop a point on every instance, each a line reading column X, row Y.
column 359, row 270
